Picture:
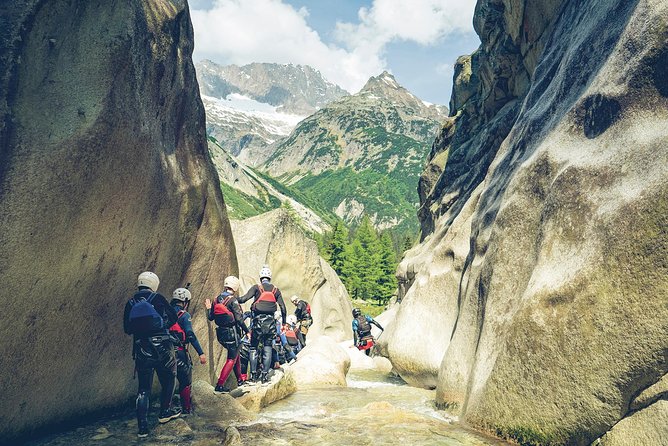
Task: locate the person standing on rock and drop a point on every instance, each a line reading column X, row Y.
column 362, row 331
column 183, row 331
column 147, row 317
column 266, row 298
column 304, row 318
column 228, row 316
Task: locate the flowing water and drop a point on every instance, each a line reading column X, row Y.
column 375, row 409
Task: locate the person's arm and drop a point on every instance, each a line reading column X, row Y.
column 373, row 321
column 281, row 304
column 355, row 325
column 249, row 295
column 126, row 318
column 209, row 306
column 239, row 316
column 187, row 326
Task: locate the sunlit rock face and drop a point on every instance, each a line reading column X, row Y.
column 104, row 173
column 276, row 239
column 537, row 300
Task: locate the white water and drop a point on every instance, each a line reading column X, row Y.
column 375, row 408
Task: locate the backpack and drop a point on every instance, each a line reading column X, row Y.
column 177, row 330
column 266, row 303
column 143, row 318
column 291, row 337
column 222, row 315
column 363, row 327
column 308, row 308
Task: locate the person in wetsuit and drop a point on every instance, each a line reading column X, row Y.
column 304, row 319
column 362, row 328
column 266, row 299
column 183, row 332
column 228, row 315
column 147, row 317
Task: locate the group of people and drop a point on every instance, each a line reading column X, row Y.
column 162, row 333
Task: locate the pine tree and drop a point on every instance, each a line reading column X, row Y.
column 336, row 247
column 387, row 284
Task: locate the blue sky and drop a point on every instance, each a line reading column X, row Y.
column 348, row 41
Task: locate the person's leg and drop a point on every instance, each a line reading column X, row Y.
column 232, row 354
column 145, row 378
column 253, row 355
column 166, row 371
column 184, row 374
column 266, row 356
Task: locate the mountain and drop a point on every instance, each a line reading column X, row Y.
column 361, row 154
column 249, row 193
column 252, row 106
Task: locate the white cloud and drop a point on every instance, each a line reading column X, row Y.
column 245, row 31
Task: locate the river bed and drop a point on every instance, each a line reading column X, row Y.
column 375, row 409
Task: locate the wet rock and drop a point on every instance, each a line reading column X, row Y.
column 218, row 406
column 256, row 396
column 321, row 363
column 232, row 437
column 275, row 239
column 174, row 431
column 102, row 434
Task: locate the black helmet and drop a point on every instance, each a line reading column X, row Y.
column 356, row 312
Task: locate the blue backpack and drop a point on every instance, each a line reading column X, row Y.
column 143, row 318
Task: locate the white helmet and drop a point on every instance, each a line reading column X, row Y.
column 231, row 282
column 294, row 299
column 181, row 294
column 148, row 279
column 265, row 272
column 292, row 319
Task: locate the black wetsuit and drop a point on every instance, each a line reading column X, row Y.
column 184, row 364
column 153, row 352
column 264, row 326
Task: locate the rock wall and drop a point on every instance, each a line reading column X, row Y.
column 104, row 173
column 537, row 301
column 275, row 239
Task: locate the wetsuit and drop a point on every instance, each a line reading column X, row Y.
column 304, row 320
column 184, row 364
column 264, row 325
column 362, row 328
column 230, row 335
column 153, row 352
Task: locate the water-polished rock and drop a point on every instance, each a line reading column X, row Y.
column 323, row 362
column 255, row 396
column 274, row 238
column 104, row 173
column 536, row 302
column 219, row 406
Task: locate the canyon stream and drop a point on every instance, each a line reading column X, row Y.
column 375, row 409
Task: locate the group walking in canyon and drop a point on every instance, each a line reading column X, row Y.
column 162, row 333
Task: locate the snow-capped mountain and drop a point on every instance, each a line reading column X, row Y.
column 252, row 106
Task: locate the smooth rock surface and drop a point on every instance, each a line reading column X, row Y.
column 213, row 405
column 536, row 302
column 104, row 173
column 256, row 396
column 275, row 239
column 321, row 363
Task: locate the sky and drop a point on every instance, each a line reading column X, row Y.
column 418, row 41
